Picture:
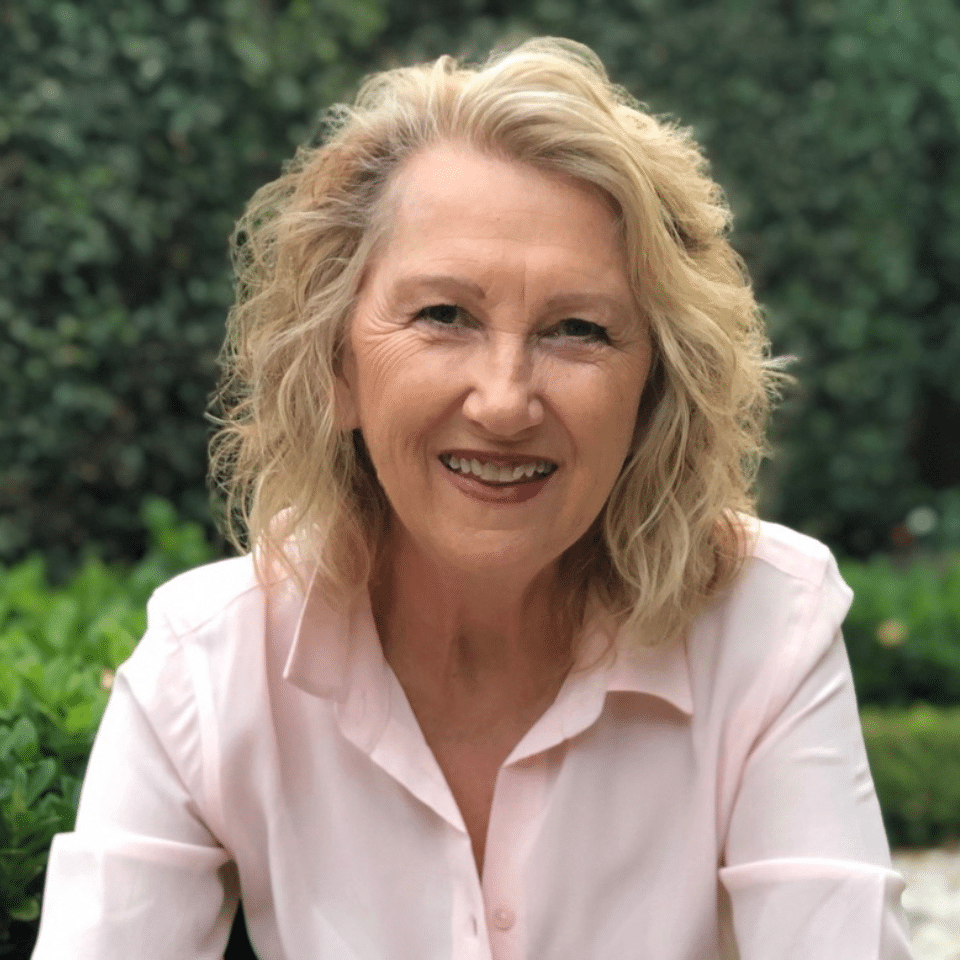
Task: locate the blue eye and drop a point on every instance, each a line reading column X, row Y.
column 578, row 329
column 445, row 314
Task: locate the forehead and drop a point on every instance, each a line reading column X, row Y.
column 454, row 201
column 455, row 176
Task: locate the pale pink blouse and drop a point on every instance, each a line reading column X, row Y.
column 678, row 802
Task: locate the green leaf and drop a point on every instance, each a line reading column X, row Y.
column 40, row 779
column 26, row 911
column 79, row 718
column 21, row 740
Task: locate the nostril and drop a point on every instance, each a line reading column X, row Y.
column 503, row 412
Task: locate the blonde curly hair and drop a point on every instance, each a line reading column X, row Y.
column 671, row 534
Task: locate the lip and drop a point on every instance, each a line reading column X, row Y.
column 505, row 495
column 498, row 459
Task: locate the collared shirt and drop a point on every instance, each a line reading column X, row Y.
column 675, row 802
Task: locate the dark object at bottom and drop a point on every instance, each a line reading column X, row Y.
column 23, row 936
column 238, row 946
column 17, row 942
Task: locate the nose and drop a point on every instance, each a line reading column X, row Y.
column 503, row 399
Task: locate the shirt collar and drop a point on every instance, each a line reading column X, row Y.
column 336, row 655
column 331, row 649
column 659, row 670
column 608, row 661
column 323, row 644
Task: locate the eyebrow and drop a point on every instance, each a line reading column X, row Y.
column 449, row 282
column 453, row 284
column 571, row 302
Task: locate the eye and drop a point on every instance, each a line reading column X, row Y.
column 442, row 314
column 576, row 329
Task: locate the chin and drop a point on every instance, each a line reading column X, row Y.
column 500, row 560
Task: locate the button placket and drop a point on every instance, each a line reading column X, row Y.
column 468, row 921
column 514, row 824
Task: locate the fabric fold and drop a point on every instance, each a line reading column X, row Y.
column 796, row 908
column 133, row 897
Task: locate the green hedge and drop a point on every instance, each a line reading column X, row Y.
column 903, row 631
column 58, row 650
column 131, row 136
column 59, row 647
column 915, row 761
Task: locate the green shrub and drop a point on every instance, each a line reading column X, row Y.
column 131, row 135
column 903, row 631
column 59, row 647
column 915, row 761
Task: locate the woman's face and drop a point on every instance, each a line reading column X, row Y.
column 495, row 361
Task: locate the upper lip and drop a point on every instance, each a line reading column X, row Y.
column 499, row 459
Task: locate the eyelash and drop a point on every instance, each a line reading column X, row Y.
column 594, row 333
column 450, row 308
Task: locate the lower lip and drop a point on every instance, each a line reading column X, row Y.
column 487, row 493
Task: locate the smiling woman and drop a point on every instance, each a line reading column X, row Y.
column 512, row 669
column 668, row 533
column 462, row 346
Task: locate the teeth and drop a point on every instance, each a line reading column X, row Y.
column 493, row 473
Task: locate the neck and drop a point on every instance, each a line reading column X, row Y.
column 468, row 629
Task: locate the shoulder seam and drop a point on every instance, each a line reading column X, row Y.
column 164, row 597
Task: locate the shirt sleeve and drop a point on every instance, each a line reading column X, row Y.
column 807, row 865
column 142, row 875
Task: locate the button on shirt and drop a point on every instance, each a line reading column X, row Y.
column 676, row 802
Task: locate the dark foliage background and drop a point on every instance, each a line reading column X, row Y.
column 131, row 137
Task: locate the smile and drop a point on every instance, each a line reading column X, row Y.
column 494, row 473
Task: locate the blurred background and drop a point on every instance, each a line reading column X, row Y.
column 131, row 136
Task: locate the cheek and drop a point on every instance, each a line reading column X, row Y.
column 604, row 411
column 404, row 390
column 384, row 366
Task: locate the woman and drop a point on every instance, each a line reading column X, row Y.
column 511, row 672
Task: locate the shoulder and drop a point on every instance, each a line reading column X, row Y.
column 193, row 599
column 222, row 616
column 794, row 555
column 797, row 574
column 789, row 583
column 226, row 592
column 215, row 610
column 779, row 617
column 781, row 568
column 214, row 635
